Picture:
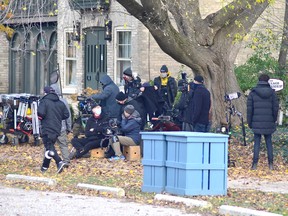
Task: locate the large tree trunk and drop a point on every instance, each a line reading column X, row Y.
column 284, row 44
column 208, row 46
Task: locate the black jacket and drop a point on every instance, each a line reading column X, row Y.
column 199, row 105
column 132, row 88
column 262, row 109
column 94, row 127
column 107, row 97
column 171, row 89
column 52, row 111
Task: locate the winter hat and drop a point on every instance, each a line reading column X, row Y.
column 164, row 69
column 199, row 79
column 56, row 88
column 121, row 96
column 128, row 72
column 129, row 109
column 48, row 89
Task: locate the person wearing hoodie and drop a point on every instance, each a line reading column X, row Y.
column 166, row 85
column 107, row 97
column 66, row 128
column 130, row 128
column 262, row 112
column 51, row 111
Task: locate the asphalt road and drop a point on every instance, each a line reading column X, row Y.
column 19, row 202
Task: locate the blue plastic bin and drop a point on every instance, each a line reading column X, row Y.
column 196, row 163
column 154, row 157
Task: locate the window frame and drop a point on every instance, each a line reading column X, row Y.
column 117, row 71
column 69, row 88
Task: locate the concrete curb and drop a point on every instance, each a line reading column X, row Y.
column 119, row 192
column 233, row 210
column 47, row 181
column 186, row 201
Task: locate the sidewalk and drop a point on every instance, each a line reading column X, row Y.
column 15, row 201
column 261, row 185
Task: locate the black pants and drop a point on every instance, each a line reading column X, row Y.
column 84, row 145
column 49, row 146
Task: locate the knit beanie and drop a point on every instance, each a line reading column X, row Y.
column 129, row 109
column 128, row 72
column 121, row 96
column 199, row 79
column 48, row 89
column 164, row 69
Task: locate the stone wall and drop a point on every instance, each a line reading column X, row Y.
column 4, row 64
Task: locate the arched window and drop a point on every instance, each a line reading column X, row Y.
column 28, row 76
column 42, row 78
column 52, row 53
column 16, row 61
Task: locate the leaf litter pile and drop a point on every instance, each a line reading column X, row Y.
column 26, row 159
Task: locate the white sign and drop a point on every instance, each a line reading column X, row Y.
column 276, row 84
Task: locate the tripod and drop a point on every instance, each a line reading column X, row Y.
column 231, row 111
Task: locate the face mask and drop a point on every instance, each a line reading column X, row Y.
column 163, row 75
column 97, row 111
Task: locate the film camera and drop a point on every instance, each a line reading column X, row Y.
column 231, row 96
column 85, row 104
column 183, row 84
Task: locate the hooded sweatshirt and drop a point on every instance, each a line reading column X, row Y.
column 107, row 97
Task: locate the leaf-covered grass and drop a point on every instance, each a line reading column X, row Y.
column 25, row 159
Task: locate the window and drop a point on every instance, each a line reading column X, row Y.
column 16, row 62
column 123, row 53
column 70, row 61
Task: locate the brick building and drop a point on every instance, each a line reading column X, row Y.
column 75, row 33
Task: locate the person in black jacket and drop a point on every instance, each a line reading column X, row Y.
column 107, row 96
column 262, row 112
column 93, row 134
column 200, row 104
column 132, row 84
column 166, row 85
column 51, row 111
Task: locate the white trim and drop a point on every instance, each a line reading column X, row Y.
column 116, row 59
column 68, row 89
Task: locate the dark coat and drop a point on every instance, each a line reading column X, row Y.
column 262, row 109
column 151, row 100
column 98, row 126
column 199, row 105
column 130, row 127
column 171, row 89
column 132, row 88
column 107, row 96
column 139, row 106
column 52, row 111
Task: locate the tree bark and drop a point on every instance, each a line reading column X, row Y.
column 284, row 44
column 208, row 46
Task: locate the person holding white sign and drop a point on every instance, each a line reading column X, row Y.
column 262, row 111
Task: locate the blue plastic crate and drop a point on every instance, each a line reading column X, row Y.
column 196, row 163
column 154, row 157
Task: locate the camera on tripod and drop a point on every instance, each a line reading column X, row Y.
column 231, row 96
column 183, row 84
